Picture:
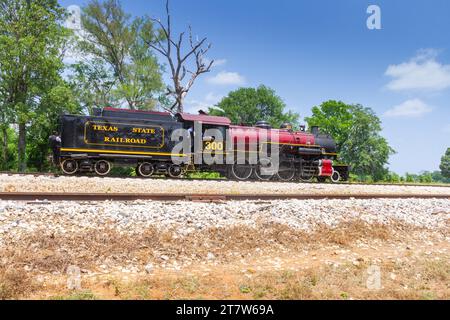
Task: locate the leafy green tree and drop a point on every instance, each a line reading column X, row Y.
column 121, row 45
column 410, row 177
column 445, row 164
column 334, row 118
column 356, row 130
column 392, row 177
column 9, row 160
column 249, row 105
column 58, row 100
column 426, row 177
column 438, row 177
column 5, row 120
column 31, row 44
column 92, row 84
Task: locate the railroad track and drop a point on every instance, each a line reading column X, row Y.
column 46, row 196
column 50, row 174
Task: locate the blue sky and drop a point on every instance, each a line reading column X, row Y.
column 312, row 51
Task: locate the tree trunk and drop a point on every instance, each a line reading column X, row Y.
column 179, row 102
column 4, row 157
column 22, row 161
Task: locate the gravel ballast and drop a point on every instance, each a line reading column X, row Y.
column 18, row 183
column 20, row 218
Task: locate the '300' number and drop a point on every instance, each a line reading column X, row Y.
column 213, row 146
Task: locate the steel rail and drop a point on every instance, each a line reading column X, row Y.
column 50, row 196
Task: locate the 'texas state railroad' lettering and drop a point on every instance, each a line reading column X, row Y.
column 123, row 134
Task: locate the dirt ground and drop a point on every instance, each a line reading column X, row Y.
column 350, row 261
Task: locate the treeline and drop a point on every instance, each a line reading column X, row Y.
column 392, row 177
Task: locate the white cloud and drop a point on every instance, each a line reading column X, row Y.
column 213, row 98
column 227, row 78
column 422, row 72
column 219, row 62
column 193, row 106
column 409, row 108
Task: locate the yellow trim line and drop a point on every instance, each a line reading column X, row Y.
column 151, row 153
column 124, row 152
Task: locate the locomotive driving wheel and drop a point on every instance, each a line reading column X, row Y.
column 307, row 173
column 102, row 167
column 145, row 169
column 263, row 171
column 241, row 171
column 69, row 166
column 286, row 171
column 306, row 177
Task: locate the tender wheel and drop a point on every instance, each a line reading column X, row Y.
column 145, row 169
column 175, row 171
column 102, row 167
column 335, row 177
column 241, row 171
column 69, row 166
column 286, row 171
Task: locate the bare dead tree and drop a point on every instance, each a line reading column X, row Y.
column 170, row 47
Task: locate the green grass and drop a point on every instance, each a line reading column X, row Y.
column 77, row 295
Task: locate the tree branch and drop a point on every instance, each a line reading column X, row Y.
column 178, row 64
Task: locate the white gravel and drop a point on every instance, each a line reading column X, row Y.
column 17, row 183
column 19, row 219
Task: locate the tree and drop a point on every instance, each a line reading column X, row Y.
column 356, row 130
column 32, row 39
column 426, row 177
column 9, row 149
column 5, row 120
column 249, row 105
column 445, row 164
column 438, row 177
column 57, row 100
column 334, row 118
column 170, row 47
column 121, row 44
column 92, row 84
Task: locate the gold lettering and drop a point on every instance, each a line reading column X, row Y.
column 144, row 130
column 105, row 128
column 125, row 140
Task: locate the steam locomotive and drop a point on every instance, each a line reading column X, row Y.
column 158, row 143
